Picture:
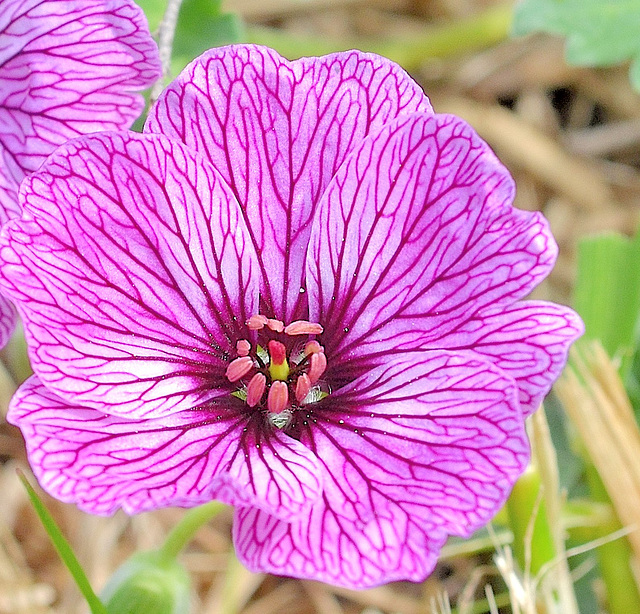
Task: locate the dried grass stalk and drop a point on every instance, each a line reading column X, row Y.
column 558, row 581
column 595, row 399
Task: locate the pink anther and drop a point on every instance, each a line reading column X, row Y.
column 238, row 368
column 312, row 347
column 255, row 389
column 303, row 385
column 278, row 397
column 256, row 322
column 243, row 347
column 318, row 366
column 303, row 327
column 275, row 325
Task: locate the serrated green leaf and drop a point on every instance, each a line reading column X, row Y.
column 63, row 548
column 607, row 293
column 599, row 32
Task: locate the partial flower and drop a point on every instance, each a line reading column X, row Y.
column 298, row 292
column 67, row 67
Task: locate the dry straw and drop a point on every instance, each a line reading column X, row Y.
column 595, row 399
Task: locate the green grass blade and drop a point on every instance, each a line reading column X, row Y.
column 63, row 548
column 607, row 293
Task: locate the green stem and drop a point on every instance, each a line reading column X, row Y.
column 184, row 531
column 615, row 558
column 438, row 41
column 234, row 586
column 166, row 32
column 14, row 355
column 63, row 548
column 481, row 606
column 533, row 544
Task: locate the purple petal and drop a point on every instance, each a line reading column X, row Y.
column 7, row 320
column 331, row 547
column 69, row 68
column 133, row 271
column 278, row 131
column 9, row 207
column 422, row 446
column 415, row 235
column 529, row 341
column 102, row 463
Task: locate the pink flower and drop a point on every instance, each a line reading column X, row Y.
column 298, row 292
column 67, row 67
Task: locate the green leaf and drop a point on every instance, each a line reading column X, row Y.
column 154, row 10
column 63, row 548
column 202, row 25
column 599, row 32
column 607, row 293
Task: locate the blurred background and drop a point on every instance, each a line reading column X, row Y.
column 570, row 136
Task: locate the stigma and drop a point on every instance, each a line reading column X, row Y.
column 282, row 371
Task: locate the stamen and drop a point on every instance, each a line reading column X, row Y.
column 255, row 389
column 256, row 322
column 264, row 365
column 318, row 366
column 312, row 347
column 243, row 347
column 275, row 325
column 303, row 327
column 278, row 365
column 278, row 397
column 238, row 368
column 303, row 385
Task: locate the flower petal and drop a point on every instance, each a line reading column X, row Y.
column 102, row 463
column 529, row 341
column 8, row 320
column 9, row 207
column 415, row 235
column 423, row 446
column 133, row 271
column 68, row 68
column 278, row 131
column 331, row 547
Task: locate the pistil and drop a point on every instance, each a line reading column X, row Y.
column 278, row 365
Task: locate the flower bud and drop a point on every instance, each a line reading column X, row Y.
column 148, row 583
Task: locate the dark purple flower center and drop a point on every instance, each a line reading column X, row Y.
column 281, row 372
